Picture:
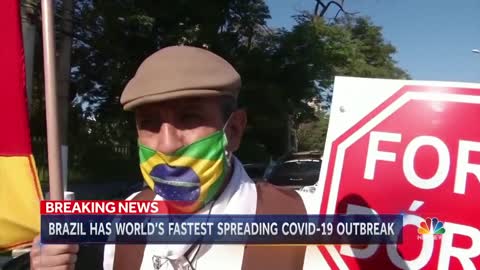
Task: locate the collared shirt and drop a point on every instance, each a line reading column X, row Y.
column 239, row 197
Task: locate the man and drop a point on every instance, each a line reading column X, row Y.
column 184, row 100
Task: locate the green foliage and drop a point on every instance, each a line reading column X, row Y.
column 281, row 70
column 312, row 135
column 348, row 47
column 371, row 56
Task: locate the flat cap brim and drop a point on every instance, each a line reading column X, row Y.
column 188, row 93
column 180, row 72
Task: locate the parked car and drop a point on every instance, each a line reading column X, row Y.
column 297, row 171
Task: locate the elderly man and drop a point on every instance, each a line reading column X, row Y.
column 184, row 100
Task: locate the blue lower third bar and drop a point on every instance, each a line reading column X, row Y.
column 222, row 229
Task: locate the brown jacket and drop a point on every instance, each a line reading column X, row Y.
column 270, row 200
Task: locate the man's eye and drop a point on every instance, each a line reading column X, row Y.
column 147, row 122
column 189, row 117
column 144, row 122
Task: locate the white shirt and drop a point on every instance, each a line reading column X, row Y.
column 239, row 197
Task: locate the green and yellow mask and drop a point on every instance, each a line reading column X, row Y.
column 190, row 177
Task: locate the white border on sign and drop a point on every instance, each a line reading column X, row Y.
column 354, row 98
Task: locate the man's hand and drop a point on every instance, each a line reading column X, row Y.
column 54, row 257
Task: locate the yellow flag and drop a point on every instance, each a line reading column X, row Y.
column 20, row 191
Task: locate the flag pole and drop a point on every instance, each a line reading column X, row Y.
column 53, row 143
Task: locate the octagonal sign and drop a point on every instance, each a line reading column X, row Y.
column 412, row 148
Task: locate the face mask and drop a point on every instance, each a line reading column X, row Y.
column 190, row 177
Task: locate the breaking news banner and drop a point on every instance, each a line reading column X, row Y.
column 140, row 222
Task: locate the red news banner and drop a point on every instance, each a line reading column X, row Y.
column 104, row 207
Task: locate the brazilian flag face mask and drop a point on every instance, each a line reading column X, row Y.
column 190, row 177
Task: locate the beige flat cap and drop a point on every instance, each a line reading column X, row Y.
column 180, row 71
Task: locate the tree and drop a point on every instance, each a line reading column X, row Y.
column 312, row 135
column 355, row 47
column 100, row 70
column 282, row 71
column 373, row 56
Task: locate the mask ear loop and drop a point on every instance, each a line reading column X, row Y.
column 228, row 155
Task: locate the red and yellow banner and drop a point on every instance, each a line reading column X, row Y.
column 20, row 192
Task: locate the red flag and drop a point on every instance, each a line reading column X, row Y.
column 20, row 191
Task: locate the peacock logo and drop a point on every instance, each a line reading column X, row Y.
column 431, row 226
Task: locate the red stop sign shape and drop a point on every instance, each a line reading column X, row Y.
column 418, row 153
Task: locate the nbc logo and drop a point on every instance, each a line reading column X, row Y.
column 431, row 226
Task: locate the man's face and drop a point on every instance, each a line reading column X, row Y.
column 170, row 125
